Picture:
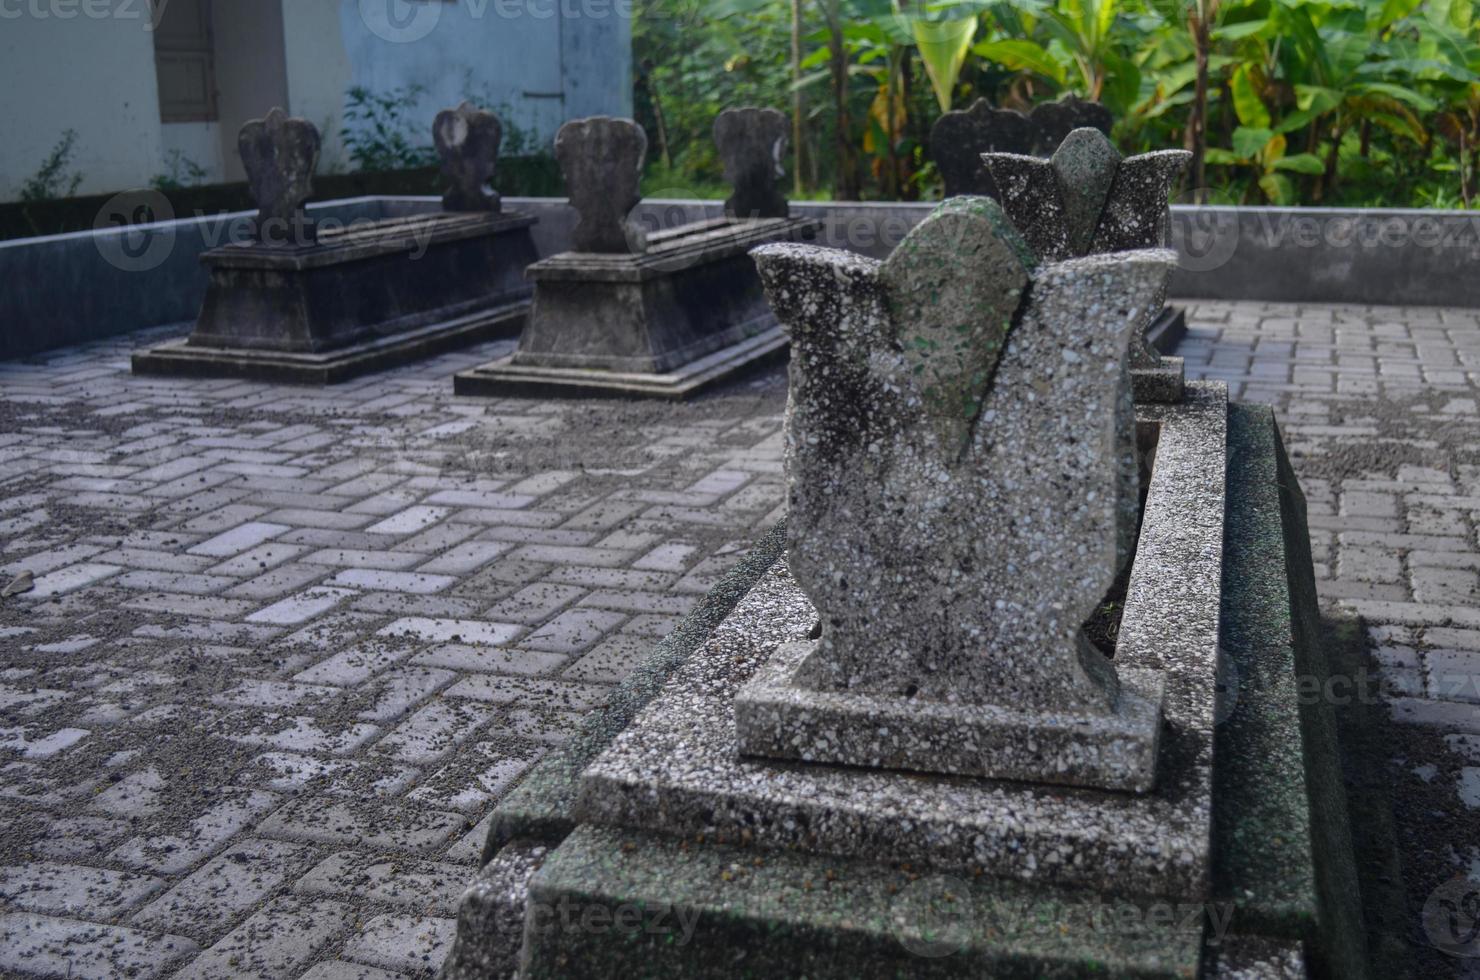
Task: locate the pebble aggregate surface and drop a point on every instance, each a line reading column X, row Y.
column 286, row 647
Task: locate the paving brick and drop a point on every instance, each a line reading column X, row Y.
column 477, row 776
column 409, row 521
column 397, row 690
column 74, row 890
column 611, row 660
column 287, row 772
column 239, row 539
column 277, row 942
column 498, row 660
column 34, row 944
column 205, row 904
column 534, row 604
column 302, row 733
column 526, row 691
column 465, row 558
column 402, row 942
column 427, row 886
column 354, row 666
column 358, row 558
column 340, row 970
column 206, row 834
column 363, row 823
column 71, row 578
column 433, row 732
column 301, row 608
column 452, row 630
column 573, row 631
column 416, row 583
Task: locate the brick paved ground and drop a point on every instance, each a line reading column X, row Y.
column 288, row 646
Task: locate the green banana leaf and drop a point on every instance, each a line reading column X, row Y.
column 943, row 46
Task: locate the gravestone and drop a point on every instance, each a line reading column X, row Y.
column 1087, row 199
column 280, row 155
column 880, row 747
column 959, row 138
column 752, row 143
column 887, row 751
column 601, row 159
column 1054, row 121
column 318, row 302
column 938, row 581
column 662, row 314
column 467, row 140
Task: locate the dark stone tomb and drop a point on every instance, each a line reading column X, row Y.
column 294, row 302
column 635, row 314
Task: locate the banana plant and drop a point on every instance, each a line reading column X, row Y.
column 1076, row 45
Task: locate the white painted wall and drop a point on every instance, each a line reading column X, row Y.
column 89, row 65
column 318, row 70
column 251, row 70
column 198, row 143
column 94, row 74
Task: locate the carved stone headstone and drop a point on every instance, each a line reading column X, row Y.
column 1087, row 199
column 752, row 143
column 959, row 138
column 279, row 155
column 952, row 522
column 1056, row 120
column 467, row 140
column 601, row 159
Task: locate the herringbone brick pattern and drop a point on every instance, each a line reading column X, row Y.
column 287, row 646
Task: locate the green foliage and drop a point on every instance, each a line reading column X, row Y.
column 1359, row 102
column 181, row 172
column 52, row 180
column 382, row 131
column 391, row 131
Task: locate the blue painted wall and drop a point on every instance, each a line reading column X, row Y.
column 537, row 62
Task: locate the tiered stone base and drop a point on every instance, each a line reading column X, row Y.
column 666, row 323
column 360, row 299
column 646, row 847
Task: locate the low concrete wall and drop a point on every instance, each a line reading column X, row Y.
column 65, row 289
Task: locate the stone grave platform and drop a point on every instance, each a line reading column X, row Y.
column 356, row 300
column 299, row 304
column 665, row 322
column 705, row 865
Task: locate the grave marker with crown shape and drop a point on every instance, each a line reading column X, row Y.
column 664, row 313
column 883, row 747
column 300, row 301
column 1086, row 199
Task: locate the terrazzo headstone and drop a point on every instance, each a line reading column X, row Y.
column 279, row 155
column 752, row 143
column 1054, row 121
column 601, row 159
column 1087, row 199
column 959, row 138
column 467, row 140
column 951, row 521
